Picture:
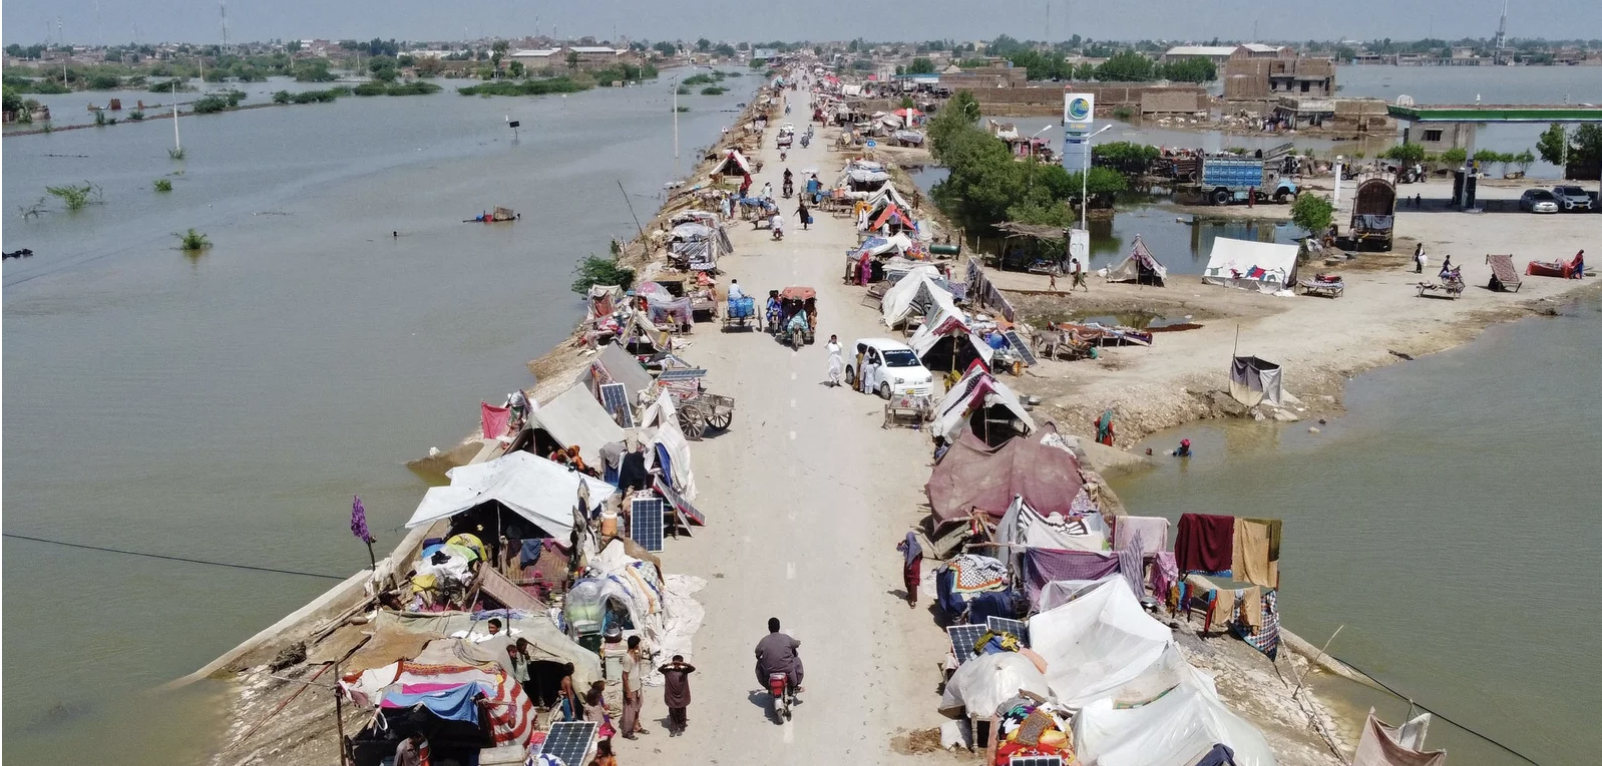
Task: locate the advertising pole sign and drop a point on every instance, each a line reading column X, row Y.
column 1078, row 114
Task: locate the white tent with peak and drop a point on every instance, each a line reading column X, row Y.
column 1140, row 266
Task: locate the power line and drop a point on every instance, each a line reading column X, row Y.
column 1437, row 714
column 165, row 557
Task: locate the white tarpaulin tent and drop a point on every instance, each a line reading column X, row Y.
column 733, row 164
column 1262, row 266
column 886, row 196
column 666, row 434
column 917, row 291
column 1097, row 644
column 977, row 388
column 1253, row 381
column 532, row 487
column 1140, row 266
column 1176, row 730
column 574, row 417
column 984, row 682
column 943, row 324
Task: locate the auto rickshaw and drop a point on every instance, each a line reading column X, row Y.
column 798, row 316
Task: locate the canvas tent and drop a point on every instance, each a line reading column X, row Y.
column 668, row 440
column 916, row 293
column 945, row 342
column 973, row 476
column 1140, row 267
column 980, row 395
column 532, row 487
column 733, row 164
column 575, row 418
column 1176, row 730
column 1261, row 266
column 1253, row 381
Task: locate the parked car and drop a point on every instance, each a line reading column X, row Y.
column 888, row 369
column 1539, row 201
column 1572, row 198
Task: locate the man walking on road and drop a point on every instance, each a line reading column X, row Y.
column 1078, row 272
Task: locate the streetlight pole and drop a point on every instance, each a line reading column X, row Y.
column 675, row 86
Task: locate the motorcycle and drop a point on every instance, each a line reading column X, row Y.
column 782, row 694
column 789, row 190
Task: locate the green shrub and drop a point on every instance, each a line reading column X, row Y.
column 136, row 115
column 713, row 90
column 1123, row 113
column 596, row 270
column 162, row 185
column 1313, row 213
column 192, row 241
column 525, row 87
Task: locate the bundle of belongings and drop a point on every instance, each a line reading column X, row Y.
column 1027, row 726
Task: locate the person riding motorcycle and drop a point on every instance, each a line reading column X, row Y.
column 789, row 184
column 778, row 653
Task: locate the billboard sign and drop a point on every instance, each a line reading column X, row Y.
column 1078, row 111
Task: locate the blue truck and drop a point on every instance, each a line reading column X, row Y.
column 1226, row 180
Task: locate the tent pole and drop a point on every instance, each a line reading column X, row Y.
column 339, row 716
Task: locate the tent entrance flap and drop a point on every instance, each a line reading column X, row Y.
column 1253, row 381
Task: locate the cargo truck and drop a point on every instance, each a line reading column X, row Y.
column 1373, row 212
column 1236, row 179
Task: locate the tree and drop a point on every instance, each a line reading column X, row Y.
column 703, row 45
column 516, row 69
column 1455, row 156
column 293, row 46
column 1524, row 160
column 595, row 270
column 1126, row 66
column 1124, row 156
column 572, row 60
column 921, row 66
column 725, row 50
column 1085, row 71
column 1411, row 154
column 13, row 101
column 383, row 69
column 1313, row 213
column 1190, row 70
column 666, row 48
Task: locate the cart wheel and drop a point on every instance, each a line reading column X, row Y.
column 692, row 421
column 721, row 419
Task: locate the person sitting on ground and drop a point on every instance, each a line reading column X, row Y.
column 603, row 754
column 1184, row 448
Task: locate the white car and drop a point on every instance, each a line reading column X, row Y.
column 1538, row 201
column 888, row 369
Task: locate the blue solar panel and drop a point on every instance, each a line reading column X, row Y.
column 1018, row 628
column 685, row 509
column 616, row 401
column 1021, row 347
column 963, row 637
column 681, row 374
column 1035, row 760
column 645, row 522
column 569, row 740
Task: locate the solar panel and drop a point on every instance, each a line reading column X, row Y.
column 569, row 740
column 691, row 374
column 645, row 522
column 1018, row 628
column 963, row 637
column 1021, row 347
column 682, row 506
column 615, row 398
column 1035, row 760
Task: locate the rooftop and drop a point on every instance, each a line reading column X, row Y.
column 1201, row 50
column 1497, row 113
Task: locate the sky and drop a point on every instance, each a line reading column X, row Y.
column 198, row 21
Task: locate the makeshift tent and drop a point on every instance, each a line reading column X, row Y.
column 444, row 680
column 895, row 244
column 892, row 218
column 1083, row 529
column 887, row 196
column 1383, row 745
column 662, row 416
column 981, row 684
column 602, row 300
column 1059, row 592
column 697, row 246
column 661, row 609
column 979, row 395
column 575, row 418
column 532, row 487
column 1141, row 267
column 548, row 642
column 917, row 293
column 1103, row 644
column 945, row 343
column 733, row 164
column 1176, row 730
column 1253, row 380
column 1262, row 266
column 973, row 476
column 619, row 366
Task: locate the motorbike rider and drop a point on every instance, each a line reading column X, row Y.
column 789, row 184
column 778, row 653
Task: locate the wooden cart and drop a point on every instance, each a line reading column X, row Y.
column 704, row 412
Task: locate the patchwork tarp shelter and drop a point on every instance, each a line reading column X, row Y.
column 891, row 217
column 886, row 196
column 575, row 418
column 1253, row 381
column 894, row 244
column 1262, row 266
column 1140, row 267
column 445, row 679
column 697, row 246
column 975, row 477
column 1175, row 730
column 945, row 342
column 733, row 164
column 549, row 643
column 980, row 395
column 602, row 300
column 532, row 487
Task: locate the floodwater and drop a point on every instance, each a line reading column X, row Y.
column 1448, row 522
column 227, row 406
column 1180, row 241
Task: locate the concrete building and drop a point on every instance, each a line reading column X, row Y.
column 1219, row 54
column 1266, row 79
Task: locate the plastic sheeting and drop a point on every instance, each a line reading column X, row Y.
column 663, row 415
column 1253, row 381
column 532, row 487
column 1262, row 266
column 1175, row 730
column 981, row 684
column 664, row 611
column 919, row 291
column 575, row 418
column 979, row 388
column 1097, row 644
column 1384, row 745
column 1059, row 592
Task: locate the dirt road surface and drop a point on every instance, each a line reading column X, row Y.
column 806, row 497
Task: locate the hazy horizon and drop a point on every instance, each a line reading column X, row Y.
column 93, row 22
